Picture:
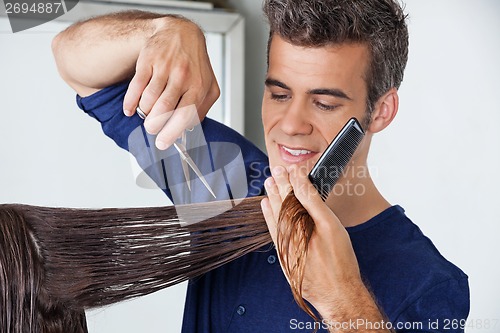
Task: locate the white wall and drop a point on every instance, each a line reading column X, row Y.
column 441, row 156
column 256, row 33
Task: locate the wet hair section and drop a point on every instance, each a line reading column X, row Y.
column 57, row 262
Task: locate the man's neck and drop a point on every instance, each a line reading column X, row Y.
column 355, row 199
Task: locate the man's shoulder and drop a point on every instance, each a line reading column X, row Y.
column 401, row 265
column 391, row 239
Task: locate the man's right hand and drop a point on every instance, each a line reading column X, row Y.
column 165, row 56
column 172, row 72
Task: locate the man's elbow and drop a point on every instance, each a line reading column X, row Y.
column 59, row 57
column 66, row 66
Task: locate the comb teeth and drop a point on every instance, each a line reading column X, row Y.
column 337, row 155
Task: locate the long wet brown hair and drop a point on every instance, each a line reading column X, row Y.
column 57, row 262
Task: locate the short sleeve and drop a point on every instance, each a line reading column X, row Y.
column 443, row 308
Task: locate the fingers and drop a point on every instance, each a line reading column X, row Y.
column 178, row 121
column 154, row 93
column 284, row 181
column 277, row 188
column 173, row 71
column 134, row 91
column 309, row 197
column 163, row 108
column 210, row 98
column 280, row 176
column 159, row 109
column 268, row 213
column 173, row 99
column 161, row 101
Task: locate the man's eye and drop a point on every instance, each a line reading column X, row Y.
column 326, row 107
column 279, row 97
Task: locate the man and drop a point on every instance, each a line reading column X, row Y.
column 368, row 268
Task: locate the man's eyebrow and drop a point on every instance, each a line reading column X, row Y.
column 320, row 91
column 276, row 83
column 332, row 92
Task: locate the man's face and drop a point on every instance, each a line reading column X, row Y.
column 310, row 94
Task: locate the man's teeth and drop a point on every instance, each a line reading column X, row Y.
column 296, row 152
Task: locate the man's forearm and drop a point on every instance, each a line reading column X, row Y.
column 353, row 309
column 87, row 53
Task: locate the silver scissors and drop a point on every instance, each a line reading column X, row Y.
column 187, row 162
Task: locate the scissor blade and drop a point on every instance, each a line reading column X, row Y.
column 199, row 174
column 187, row 159
column 185, row 169
column 184, row 164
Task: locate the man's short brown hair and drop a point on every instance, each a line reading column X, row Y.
column 378, row 24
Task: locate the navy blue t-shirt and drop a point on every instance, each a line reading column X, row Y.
column 415, row 286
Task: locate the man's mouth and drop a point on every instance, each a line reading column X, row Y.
column 295, row 154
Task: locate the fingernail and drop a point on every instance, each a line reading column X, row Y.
column 126, row 112
column 292, row 169
column 268, row 182
column 161, row 145
column 278, row 170
column 263, row 204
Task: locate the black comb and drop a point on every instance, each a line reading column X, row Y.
column 332, row 162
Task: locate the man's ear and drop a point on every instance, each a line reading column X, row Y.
column 385, row 110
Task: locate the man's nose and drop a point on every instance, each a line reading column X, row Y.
column 296, row 120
